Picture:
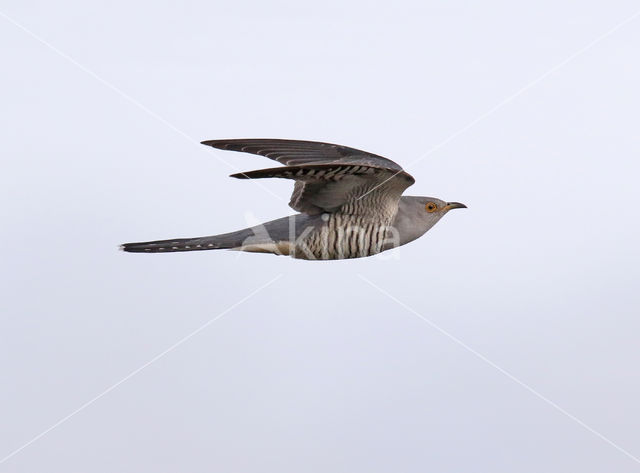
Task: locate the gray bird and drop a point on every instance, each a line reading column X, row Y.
column 350, row 203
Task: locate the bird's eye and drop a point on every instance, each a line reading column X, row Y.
column 431, row 207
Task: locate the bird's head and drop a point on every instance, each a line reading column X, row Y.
column 428, row 209
column 436, row 208
column 416, row 215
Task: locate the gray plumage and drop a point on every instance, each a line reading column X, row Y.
column 350, row 205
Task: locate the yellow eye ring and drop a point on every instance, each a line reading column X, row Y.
column 431, row 207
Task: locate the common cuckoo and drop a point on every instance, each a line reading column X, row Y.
column 350, row 205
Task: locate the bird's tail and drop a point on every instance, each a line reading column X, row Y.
column 261, row 238
column 214, row 242
column 168, row 246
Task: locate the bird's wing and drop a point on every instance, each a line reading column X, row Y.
column 295, row 153
column 328, row 177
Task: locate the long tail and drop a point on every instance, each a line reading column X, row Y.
column 214, row 242
column 269, row 232
column 168, row 246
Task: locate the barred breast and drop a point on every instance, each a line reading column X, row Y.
column 342, row 236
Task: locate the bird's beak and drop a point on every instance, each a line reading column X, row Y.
column 454, row 205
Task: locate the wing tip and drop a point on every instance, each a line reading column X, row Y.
column 211, row 143
column 240, row 175
column 232, row 144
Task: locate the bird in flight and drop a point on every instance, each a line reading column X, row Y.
column 350, row 205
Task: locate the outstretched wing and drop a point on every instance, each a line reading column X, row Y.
column 328, row 177
column 295, row 152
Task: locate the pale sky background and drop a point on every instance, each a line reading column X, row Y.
column 320, row 371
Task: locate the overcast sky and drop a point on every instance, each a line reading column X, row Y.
column 504, row 340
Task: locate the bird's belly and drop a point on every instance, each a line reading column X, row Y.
column 341, row 237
